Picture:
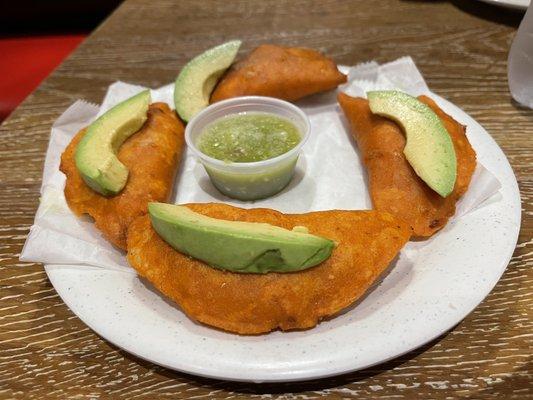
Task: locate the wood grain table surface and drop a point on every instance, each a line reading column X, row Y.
column 461, row 47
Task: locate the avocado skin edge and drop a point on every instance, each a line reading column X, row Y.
column 207, row 68
column 243, row 247
column 429, row 148
column 95, row 156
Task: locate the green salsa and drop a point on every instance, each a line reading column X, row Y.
column 248, row 137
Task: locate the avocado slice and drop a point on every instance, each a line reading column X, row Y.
column 198, row 78
column 249, row 247
column 429, row 148
column 96, row 157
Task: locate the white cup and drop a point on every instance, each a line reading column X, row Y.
column 249, row 180
column 520, row 62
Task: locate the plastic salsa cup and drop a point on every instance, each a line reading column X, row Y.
column 249, row 180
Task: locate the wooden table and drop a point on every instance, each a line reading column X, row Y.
column 461, row 48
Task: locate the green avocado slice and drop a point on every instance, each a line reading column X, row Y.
column 247, row 247
column 96, row 158
column 429, row 148
column 198, row 78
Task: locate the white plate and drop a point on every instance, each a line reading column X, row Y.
column 416, row 302
column 516, row 4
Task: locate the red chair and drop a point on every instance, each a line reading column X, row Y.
column 26, row 61
column 35, row 36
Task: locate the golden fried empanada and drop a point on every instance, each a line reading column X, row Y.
column 151, row 155
column 288, row 73
column 394, row 185
column 367, row 241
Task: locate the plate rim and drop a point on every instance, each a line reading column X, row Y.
column 508, row 4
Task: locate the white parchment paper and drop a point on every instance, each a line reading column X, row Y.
column 329, row 174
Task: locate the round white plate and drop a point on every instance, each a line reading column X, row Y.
column 516, row 4
column 416, row 301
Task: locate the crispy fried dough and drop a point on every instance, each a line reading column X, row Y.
column 288, row 73
column 151, row 155
column 394, row 185
column 257, row 303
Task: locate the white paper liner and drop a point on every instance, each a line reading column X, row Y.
column 329, row 173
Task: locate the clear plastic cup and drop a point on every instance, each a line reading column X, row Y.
column 250, row 180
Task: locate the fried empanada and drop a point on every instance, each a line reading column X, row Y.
column 367, row 241
column 151, row 155
column 288, row 73
column 394, row 185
